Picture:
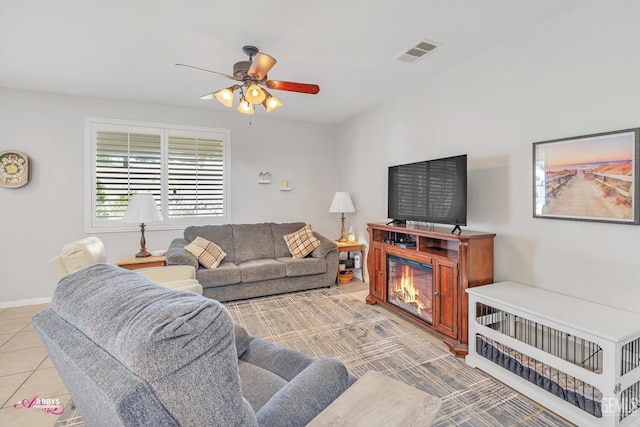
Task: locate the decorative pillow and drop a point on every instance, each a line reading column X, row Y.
column 208, row 253
column 302, row 242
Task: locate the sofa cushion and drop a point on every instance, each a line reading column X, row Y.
column 302, row 242
column 279, row 231
column 250, row 375
column 208, row 253
column 303, row 266
column 253, row 241
column 262, row 269
column 221, row 235
column 227, row 273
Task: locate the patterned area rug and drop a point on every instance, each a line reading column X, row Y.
column 329, row 323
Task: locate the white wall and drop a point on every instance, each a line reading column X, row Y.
column 37, row 220
column 575, row 75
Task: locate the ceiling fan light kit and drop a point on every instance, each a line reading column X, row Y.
column 255, row 95
column 253, row 77
column 225, row 96
column 245, row 107
column 271, row 103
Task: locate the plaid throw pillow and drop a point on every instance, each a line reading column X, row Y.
column 208, row 253
column 302, row 242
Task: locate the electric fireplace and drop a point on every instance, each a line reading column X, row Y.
column 410, row 286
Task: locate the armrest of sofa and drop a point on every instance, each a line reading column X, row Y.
column 177, row 255
column 326, row 246
column 306, row 395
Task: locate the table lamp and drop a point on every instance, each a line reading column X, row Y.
column 342, row 203
column 142, row 208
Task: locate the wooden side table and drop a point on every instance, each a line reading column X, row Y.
column 349, row 247
column 378, row 400
column 130, row 262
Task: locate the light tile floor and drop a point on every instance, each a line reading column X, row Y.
column 25, row 370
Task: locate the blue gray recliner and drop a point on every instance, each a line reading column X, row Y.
column 134, row 353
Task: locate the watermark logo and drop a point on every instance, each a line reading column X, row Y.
column 611, row 406
column 49, row 406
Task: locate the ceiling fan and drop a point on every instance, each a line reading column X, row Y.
column 253, row 83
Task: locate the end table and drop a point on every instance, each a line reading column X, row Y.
column 130, row 262
column 349, row 247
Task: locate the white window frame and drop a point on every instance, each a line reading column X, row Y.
column 94, row 225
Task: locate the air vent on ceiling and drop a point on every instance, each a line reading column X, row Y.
column 421, row 49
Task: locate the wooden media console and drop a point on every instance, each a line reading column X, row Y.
column 451, row 263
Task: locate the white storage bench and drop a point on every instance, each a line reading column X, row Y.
column 578, row 358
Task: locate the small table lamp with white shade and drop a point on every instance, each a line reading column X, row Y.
column 342, row 204
column 142, row 208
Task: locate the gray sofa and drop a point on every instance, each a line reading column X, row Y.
column 133, row 353
column 258, row 261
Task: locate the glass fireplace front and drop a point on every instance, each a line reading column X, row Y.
column 410, row 286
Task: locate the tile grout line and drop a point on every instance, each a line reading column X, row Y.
column 15, row 334
column 27, row 379
column 15, row 389
column 32, row 372
column 18, row 387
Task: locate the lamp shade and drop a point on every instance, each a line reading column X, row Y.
column 255, row 95
column 271, row 103
column 142, row 208
column 225, row 97
column 245, row 107
column 342, row 203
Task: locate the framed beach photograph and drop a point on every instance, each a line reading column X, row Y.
column 588, row 178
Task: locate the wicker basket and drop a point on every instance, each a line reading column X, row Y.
column 345, row 277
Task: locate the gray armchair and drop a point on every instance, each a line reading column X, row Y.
column 134, row 353
column 285, row 387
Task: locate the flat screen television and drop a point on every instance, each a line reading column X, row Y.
column 432, row 191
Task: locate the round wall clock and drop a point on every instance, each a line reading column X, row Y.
column 14, row 169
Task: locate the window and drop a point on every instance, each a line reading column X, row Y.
column 185, row 168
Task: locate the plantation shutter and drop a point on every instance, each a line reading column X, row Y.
column 184, row 167
column 195, row 176
column 126, row 162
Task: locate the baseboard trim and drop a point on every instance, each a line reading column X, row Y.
column 23, row 302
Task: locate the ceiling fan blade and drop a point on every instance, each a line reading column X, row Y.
column 260, row 65
column 293, row 87
column 207, row 71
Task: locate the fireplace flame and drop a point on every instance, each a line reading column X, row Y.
column 406, row 290
column 410, row 288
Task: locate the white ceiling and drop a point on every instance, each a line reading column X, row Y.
column 126, row 49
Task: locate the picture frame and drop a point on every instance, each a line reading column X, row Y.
column 588, row 178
